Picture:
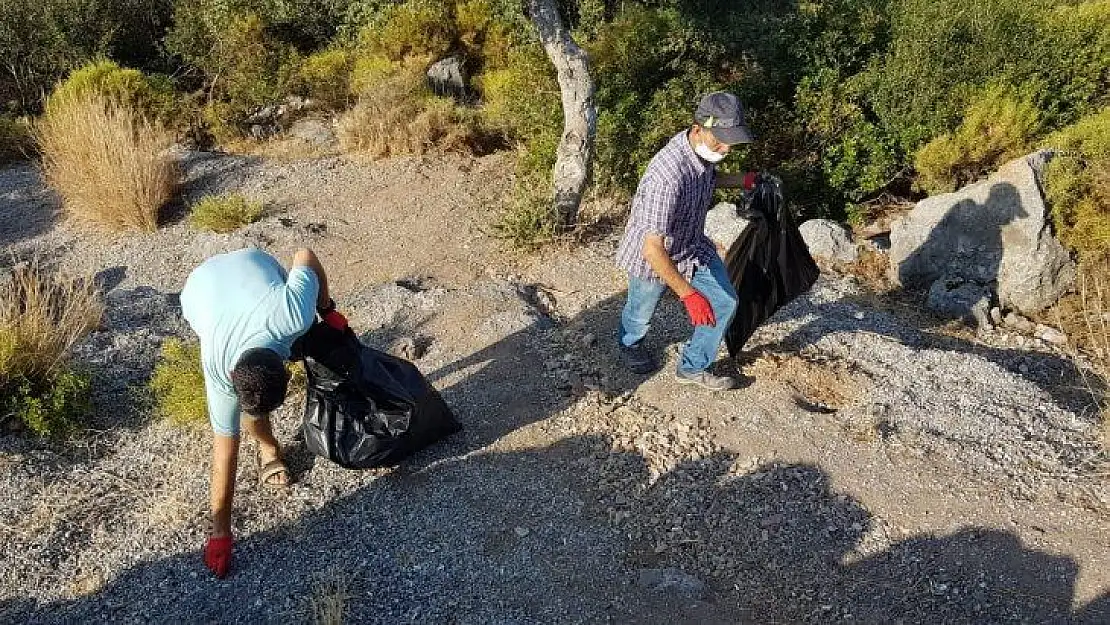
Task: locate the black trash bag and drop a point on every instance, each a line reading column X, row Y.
column 366, row 408
column 769, row 264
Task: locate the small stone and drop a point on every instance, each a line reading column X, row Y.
column 860, row 316
column 672, row 581
column 521, row 532
column 1019, row 323
column 1050, row 335
column 996, row 315
column 589, row 339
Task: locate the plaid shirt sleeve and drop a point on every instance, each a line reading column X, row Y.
column 660, row 200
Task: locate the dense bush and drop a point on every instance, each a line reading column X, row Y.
column 851, row 99
column 1078, row 183
column 15, row 139
column 998, row 126
column 246, row 66
column 41, row 318
column 42, row 40
column 326, row 77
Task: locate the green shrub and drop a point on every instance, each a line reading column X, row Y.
column 178, row 384
column 418, row 28
column 42, row 40
column 56, row 407
column 368, row 70
column 41, row 318
column 528, row 219
column 522, row 101
column 484, row 34
column 15, row 139
column 858, row 156
column 153, row 97
column 326, row 77
column 941, row 53
column 225, row 213
column 247, row 67
column 999, row 126
column 1070, row 61
column 1078, row 183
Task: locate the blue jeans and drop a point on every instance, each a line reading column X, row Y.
column 701, row 350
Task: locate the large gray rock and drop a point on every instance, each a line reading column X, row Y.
column 829, row 240
column 997, row 230
column 316, row 132
column 723, row 226
column 448, row 78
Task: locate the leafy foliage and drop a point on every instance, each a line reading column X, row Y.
column 1078, row 183
column 225, row 213
column 178, row 384
column 998, row 126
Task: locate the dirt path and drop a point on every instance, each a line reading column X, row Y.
column 954, row 482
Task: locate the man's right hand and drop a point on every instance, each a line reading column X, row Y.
column 699, row 309
column 217, row 554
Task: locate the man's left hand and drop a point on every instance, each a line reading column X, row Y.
column 217, row 555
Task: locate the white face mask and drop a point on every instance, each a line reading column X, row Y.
column 705, row 153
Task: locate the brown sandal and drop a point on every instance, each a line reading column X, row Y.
column 272, row 468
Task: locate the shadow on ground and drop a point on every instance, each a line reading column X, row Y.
column 27, row 207
column 524, row 536
column 776, row 544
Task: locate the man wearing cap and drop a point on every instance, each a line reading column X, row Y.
column 664, row 244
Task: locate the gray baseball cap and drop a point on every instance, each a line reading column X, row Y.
column 723, row 115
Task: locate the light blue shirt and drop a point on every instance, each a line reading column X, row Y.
column 239, row 301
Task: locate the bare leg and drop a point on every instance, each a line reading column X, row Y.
column 262, row 431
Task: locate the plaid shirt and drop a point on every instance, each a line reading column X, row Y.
column 672, row 200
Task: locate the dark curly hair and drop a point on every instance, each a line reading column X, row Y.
column 260, row 380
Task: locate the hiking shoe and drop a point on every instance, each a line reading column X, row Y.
column 706, row 380
column 637, row 358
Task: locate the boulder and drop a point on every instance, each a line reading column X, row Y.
column 994, row 231
column 723, row 226
column 315, row 132
column 448, row 78
column 829, row 240
column 957, row 298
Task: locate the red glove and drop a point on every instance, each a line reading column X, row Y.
column 335, row 320
column 217, row 555
column 750, row 180
column 701, row 313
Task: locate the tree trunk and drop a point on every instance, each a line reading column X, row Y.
column 576, row 149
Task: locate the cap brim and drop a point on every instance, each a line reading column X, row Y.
column 734, row 135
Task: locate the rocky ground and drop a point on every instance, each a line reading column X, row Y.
column 877, row 467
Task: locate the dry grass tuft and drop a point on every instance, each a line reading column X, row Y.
column 110, row 165
column 1085, row 318
column 1094, row 292
column 397, row 116
column 41, row 318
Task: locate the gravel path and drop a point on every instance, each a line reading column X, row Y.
column 875, row 470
